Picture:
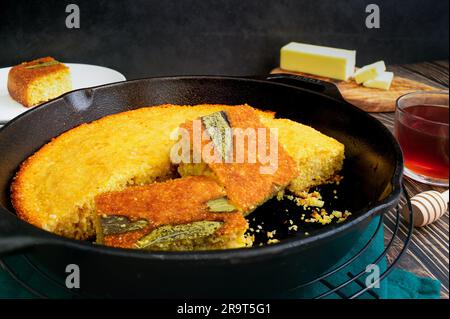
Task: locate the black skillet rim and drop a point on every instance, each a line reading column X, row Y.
column 278, row 249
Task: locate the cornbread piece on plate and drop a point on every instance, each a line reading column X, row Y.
column 164, row 216
column 38, row 81
column 239, row 166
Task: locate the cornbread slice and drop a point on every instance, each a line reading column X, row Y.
column 319, row 157
column 163, row 216
column 38, row 81
column 247, row 180
column 55, row 188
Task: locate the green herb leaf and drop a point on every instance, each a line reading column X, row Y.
column 219, row 129
column 42, row 64
column 220, row 205
column 170, row 234
column 112, row 225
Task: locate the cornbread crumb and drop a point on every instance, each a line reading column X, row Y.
column 248, row 240
column 325, row 218
column 336, row 179
column 306, row 199
column 280, row 195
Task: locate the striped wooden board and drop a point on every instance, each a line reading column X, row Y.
column 372, row 100
column 428, row 254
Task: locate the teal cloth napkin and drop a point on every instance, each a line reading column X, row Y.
column 398, row 285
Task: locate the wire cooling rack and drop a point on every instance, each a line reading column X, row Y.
column 396, row 239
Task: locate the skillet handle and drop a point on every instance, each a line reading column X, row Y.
column 16, row 236
column 327, row 88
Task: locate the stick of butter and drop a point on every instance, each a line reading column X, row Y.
column 383, row 81
column 322, row 61
column 369, row 72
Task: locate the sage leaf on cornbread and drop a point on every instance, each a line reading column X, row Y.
column 42, row 64
column 219, row 129
column 219, row 205
column 169, row 234
column 112, row 225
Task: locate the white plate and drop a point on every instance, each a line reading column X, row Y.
column 83, row 76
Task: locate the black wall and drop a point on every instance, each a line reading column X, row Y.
column 166, row 37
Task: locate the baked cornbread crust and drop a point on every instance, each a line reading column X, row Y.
column 55, row 188
column 169, row 204
column 30, row 85
column 246, row 186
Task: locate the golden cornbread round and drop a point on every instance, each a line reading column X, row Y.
column 55, row 188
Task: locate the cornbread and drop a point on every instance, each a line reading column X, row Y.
column 55, row 188
column 38, row 81
column 318, row 157
column 244, row 180
column 163, row 216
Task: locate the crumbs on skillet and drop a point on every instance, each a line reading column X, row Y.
column 312, row 212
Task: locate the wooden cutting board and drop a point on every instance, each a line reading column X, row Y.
column 370, row 100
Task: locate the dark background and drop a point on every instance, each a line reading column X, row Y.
column 167, row 37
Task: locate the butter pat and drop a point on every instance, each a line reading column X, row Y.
column 322, row 61
column 383, row 81
column 369, row 72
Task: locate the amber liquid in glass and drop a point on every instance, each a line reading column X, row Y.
column 424, row 144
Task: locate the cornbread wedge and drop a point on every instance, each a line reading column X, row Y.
column 238, row 134
column 38, row 81
column 163, row 216
column 319, row 157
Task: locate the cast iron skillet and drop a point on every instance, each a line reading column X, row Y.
column 373, row 170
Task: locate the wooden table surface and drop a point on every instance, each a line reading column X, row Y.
column 428, row 254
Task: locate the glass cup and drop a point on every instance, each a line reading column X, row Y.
column 421, row 128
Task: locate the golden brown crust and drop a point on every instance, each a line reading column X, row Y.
column 174, row 202
column 246, row 186
column 20, row 78
column 180, row 199
column 17, row 195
